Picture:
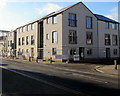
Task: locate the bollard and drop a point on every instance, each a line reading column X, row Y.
column 115, row 63
column 50, row 59
column 30, row 59
column 37, row 59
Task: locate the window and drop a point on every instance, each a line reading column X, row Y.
column 107, row 25
column 32, row 26
column 54, row 37
column 89, row 22
column 22, row 50
column 29, row 27
column 107, row 39
column 27, row 40
column 54, row 51
column 47, row 36
column 24, row 29
column 89, row 38
column 11, row 43
column 115, row 51
column 54, row 19
column 72, row 52
column 8, row 43
column 89, row 51
column 47, row 20
column 72, row 37
column 114, row 26
column 19, row 43
column 72, row 20
column 32, row 40
column 27, row 51
column 21, row 29
column 114, row 40
column 22, row 40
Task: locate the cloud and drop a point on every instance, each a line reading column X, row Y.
column 113, row 13
column 2, row 3
column 49, row 8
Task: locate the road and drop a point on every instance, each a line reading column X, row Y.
column 32, row 78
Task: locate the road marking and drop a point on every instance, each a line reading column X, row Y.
column 47, row 82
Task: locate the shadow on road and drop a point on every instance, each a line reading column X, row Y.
column 14, row 84
column 3, row 64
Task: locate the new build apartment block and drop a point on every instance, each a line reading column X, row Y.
column 72, row 31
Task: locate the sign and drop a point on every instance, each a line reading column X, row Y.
column 61, row 57
column 76, row 58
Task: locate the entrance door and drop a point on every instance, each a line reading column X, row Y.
column 107, row 52
column 81, row 53
column 41, row 53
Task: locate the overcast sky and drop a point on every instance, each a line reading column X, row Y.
column 14, row 14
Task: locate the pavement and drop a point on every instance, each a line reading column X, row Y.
column 109, row 69
column 101, row 68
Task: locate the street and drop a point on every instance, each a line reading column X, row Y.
column 23, row 78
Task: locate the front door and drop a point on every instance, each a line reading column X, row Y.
column 107, row 52
column 81, row 53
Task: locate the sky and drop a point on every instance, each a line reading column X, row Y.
column 16, row 13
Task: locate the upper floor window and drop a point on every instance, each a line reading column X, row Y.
column 54, row 19
column 19, row 43
column 72, row 37
column 27, row 40
column 107, row 39
column 24, row 28
column 8, row 44
column 107, row 25
column 89, row 38
column 21, row 29
column 32, row 26
column 47, row 20
column 54, row 37
column 72, row 20
column 89, row 22
column 22, row 40
column 114, row 40
column 32, row 40
column 114, row 26
column 29, row 27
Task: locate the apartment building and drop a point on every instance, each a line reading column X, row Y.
column 3, row 43
column 11, row 43
column 72, row 31
column 108, row 37
column 27, row 40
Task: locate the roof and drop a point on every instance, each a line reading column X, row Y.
column 4, row 31
column 103, row 18
column 99, row 17
column 52, row 14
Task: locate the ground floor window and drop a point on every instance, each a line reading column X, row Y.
column 115, row 51
column 89, row 51
column 54, row 51
column 72, row 51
